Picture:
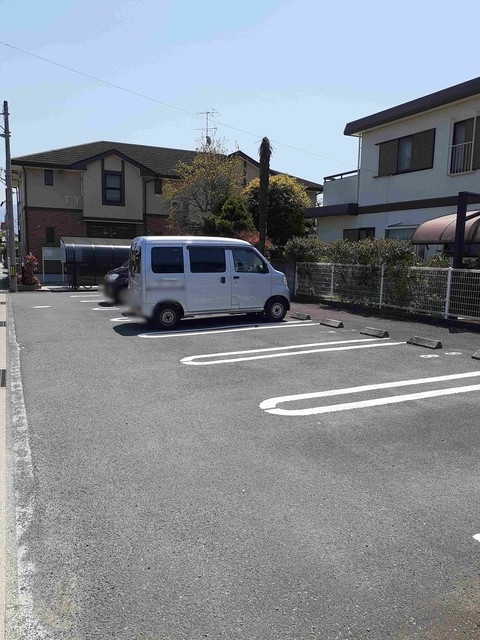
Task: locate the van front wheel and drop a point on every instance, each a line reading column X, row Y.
column 275, row 309
column 167, row 316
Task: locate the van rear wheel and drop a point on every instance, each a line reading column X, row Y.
column 167, row 316
column 275, row 309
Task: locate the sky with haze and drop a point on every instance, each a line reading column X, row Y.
column 296, row 71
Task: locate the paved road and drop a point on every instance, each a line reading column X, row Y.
column 240, row 481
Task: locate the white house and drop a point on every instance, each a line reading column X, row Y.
column 414, row 159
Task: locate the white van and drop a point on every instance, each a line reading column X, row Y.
column 172, row 277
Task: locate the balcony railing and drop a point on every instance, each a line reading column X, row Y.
column 340, row 176
column 461, row 156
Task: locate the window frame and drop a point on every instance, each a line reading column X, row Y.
column 48, row 177
column 369, row 233
column 410, row 229
column 49, row 235
column 404, row 154
column 422, row 153
column 121, row 189
column 464, row 155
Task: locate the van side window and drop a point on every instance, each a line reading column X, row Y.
column 167, row 260
column 135, row 259
column 207, row 259
column 247, row 261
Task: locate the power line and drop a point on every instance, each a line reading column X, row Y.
column 166, row 104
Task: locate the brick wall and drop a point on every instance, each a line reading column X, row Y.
column 65, row 223
column 70, row 223
column 157, row 225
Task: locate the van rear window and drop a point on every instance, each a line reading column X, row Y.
column 135, row 261
column 167, row 259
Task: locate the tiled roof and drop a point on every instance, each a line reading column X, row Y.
column 158, row 161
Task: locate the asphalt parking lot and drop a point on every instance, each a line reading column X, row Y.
column 239, row 479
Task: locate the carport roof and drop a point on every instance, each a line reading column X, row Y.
column 442, row 230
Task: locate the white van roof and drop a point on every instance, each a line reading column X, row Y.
column 190, row 240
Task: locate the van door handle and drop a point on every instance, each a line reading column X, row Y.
column 236, row 277
column 222, row 279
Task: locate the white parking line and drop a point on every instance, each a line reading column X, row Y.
column 270, row 405
column 90, row 301
column 477, row 537
column 42, row 306
column 229, row 329
column 105, row 308
column 83, row 295
column 278, row 352
column 122, row 319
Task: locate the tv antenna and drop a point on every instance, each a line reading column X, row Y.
column 209, row 132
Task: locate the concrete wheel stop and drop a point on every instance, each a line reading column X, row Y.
column 429, row 343
column 298, row 315
column 332, row 323
column 378, row 333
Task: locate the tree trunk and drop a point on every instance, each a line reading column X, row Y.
column 265, row 151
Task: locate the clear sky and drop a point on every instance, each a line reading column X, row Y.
column 295, row 71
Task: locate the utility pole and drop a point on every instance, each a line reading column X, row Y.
column 12, row 261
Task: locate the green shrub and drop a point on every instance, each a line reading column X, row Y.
column 302, row 249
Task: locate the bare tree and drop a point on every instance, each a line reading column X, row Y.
column 202, row 185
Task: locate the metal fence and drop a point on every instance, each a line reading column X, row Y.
column 443, row 292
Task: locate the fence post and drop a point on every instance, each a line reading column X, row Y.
column 447, row 295
column 332, row 280
column 382, row 279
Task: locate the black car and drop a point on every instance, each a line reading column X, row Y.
column 115, row 284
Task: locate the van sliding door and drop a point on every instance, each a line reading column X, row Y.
column 209, row 284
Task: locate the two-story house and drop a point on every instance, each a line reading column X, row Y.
column 101, row 190
column 414, row 159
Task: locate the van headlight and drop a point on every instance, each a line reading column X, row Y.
column 112, row 277
column 285, row 280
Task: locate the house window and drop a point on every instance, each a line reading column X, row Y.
column 399, row 233
column 354, row 235
column 404, row 156
column 409, row 153
column 50, row 235
column 112, row 188
column 48, row 177
column 465, row 148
